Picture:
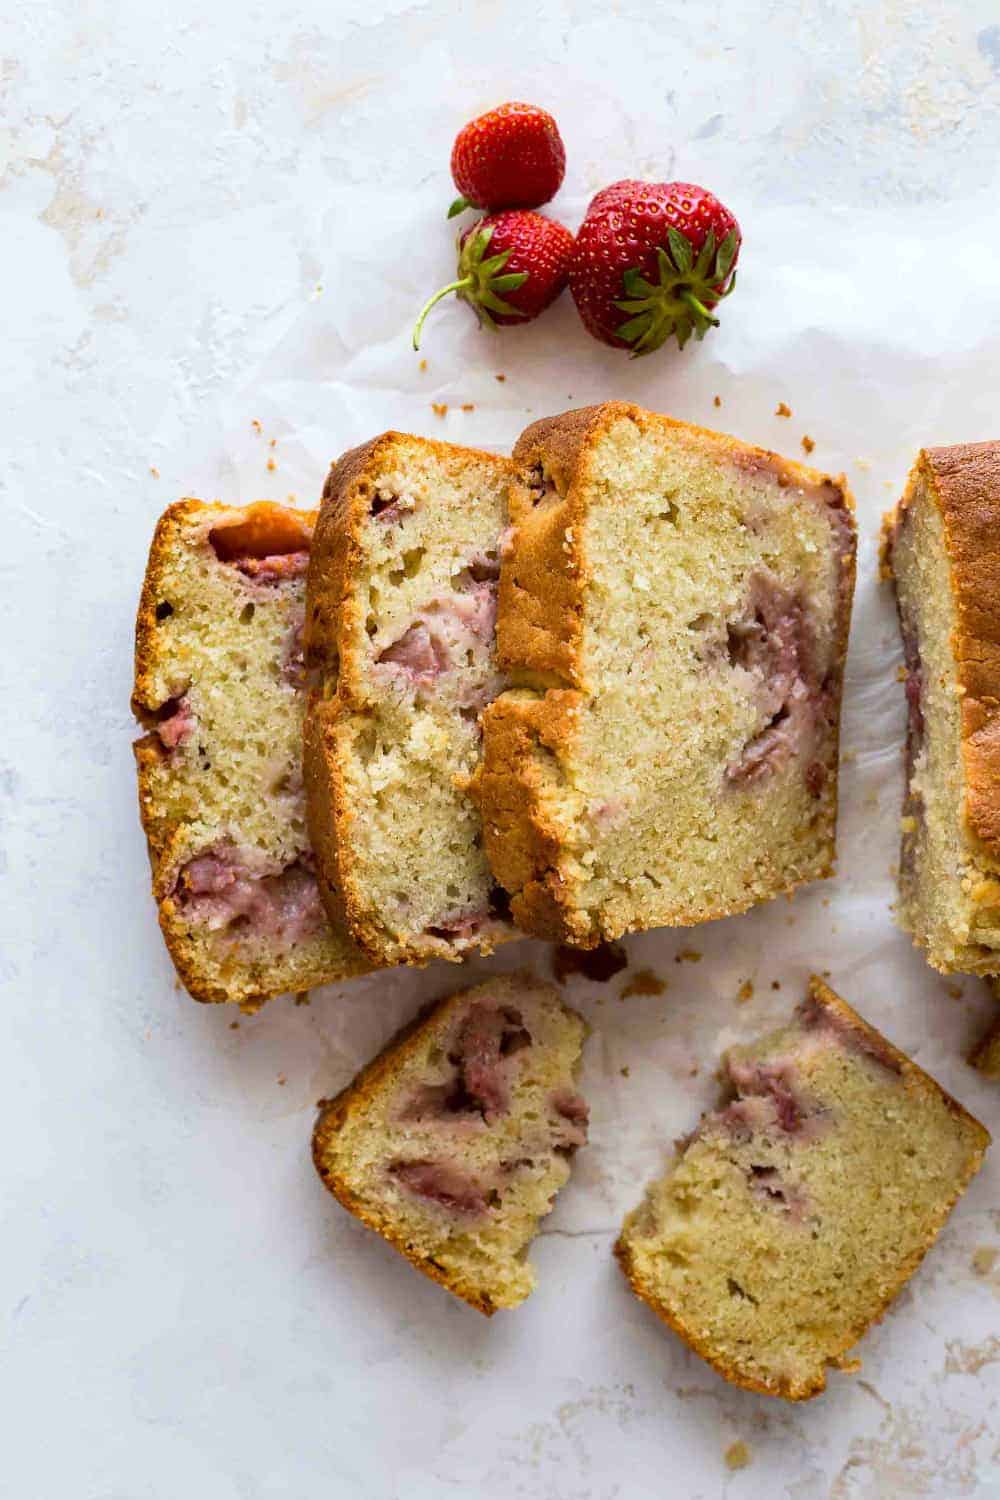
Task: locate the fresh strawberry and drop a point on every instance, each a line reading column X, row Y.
column 663, row 253
column 512, row 157
column 526, row 268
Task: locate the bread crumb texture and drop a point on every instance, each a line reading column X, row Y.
column 797, row 1210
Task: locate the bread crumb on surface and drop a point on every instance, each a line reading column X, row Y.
column 271, row 465
column 954, row 990
column 737, row 1455
column 501, row 378
column 234, row 1025
column 782, row 409
column 439, row 408
column 776, row 984
column 273, row 443
column 422, row 365
column 687, row 956
column 304, row 998
column 643, row 982
column 807, row 442
column 154, row 471
column 624, row 1072
column 745, row 992
column 984, row 1258
column 468, row 406
column 256, row 426
column 282, row 1079
column 716, row 400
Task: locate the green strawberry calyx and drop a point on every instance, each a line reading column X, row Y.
column 679, row 303
column 481, row 282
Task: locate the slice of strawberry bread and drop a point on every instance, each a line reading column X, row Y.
column 453, row 1143
column 798, row 1210
column 673, row 618
column 219, row 688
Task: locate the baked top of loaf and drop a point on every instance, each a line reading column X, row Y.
column 400, row 634
column 673, row 617
column 219, row 689
column 941, row 546
column 454, row 1141
column 797, row 1211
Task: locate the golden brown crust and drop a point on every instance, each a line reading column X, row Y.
column 334, row 622
column 964, row 482
column 912, row 1078
column 539, row 639
column 379, row 1074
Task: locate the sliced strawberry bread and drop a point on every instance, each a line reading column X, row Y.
column 941, row 547
column 796, row 1212
column 673, row 617
column 219, row 688
column 454, row 1141
column 400, row 633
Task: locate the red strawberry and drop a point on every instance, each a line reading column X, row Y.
column 512, row 157
column 526, row 269
column 664, row 253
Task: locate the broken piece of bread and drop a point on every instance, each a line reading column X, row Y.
column 454, row 1141
column 797, row 1211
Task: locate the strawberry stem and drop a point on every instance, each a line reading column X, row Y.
column 458, row 207
column 453, row 286
column 689, row 298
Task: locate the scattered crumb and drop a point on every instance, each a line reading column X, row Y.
column 900, row 674
column 807, row 442
column 888, row 484
column 422, row 365
column 282, row 1079
column 643, row 982
column 271, row 465
column 984, row 1259
column 863, row 463
column 155, row 472
column 848, row 758
column 776, row 984
column 954, row 990
column 439, row 408
column 292, row 500
column 716, row 400
column 825, row 901
column 737, row 1455
column 624, row 1072
column 468, row 406
column 824, row 973
column 745, row 992
column 687, row 956
column 322, row 1103
column 501, row 378
column 599, row 964
column 234, row 1025
column 256, row 426
column 782, row 409
column 273, row 443
column 305, row 998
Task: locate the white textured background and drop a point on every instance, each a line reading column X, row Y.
column 215, row 213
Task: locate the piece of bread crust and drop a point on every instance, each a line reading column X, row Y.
column 378, row 1079
column 336, row 651
column 539, row 636
column 846, row 1020
column 240, row 979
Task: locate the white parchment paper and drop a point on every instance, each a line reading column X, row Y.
column 220, row 227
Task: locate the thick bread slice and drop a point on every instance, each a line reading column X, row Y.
column 942, row 548
column 454, row 1141
column 796, row 1213
column 219, row 688
column 400, row 637
column 674, row 609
